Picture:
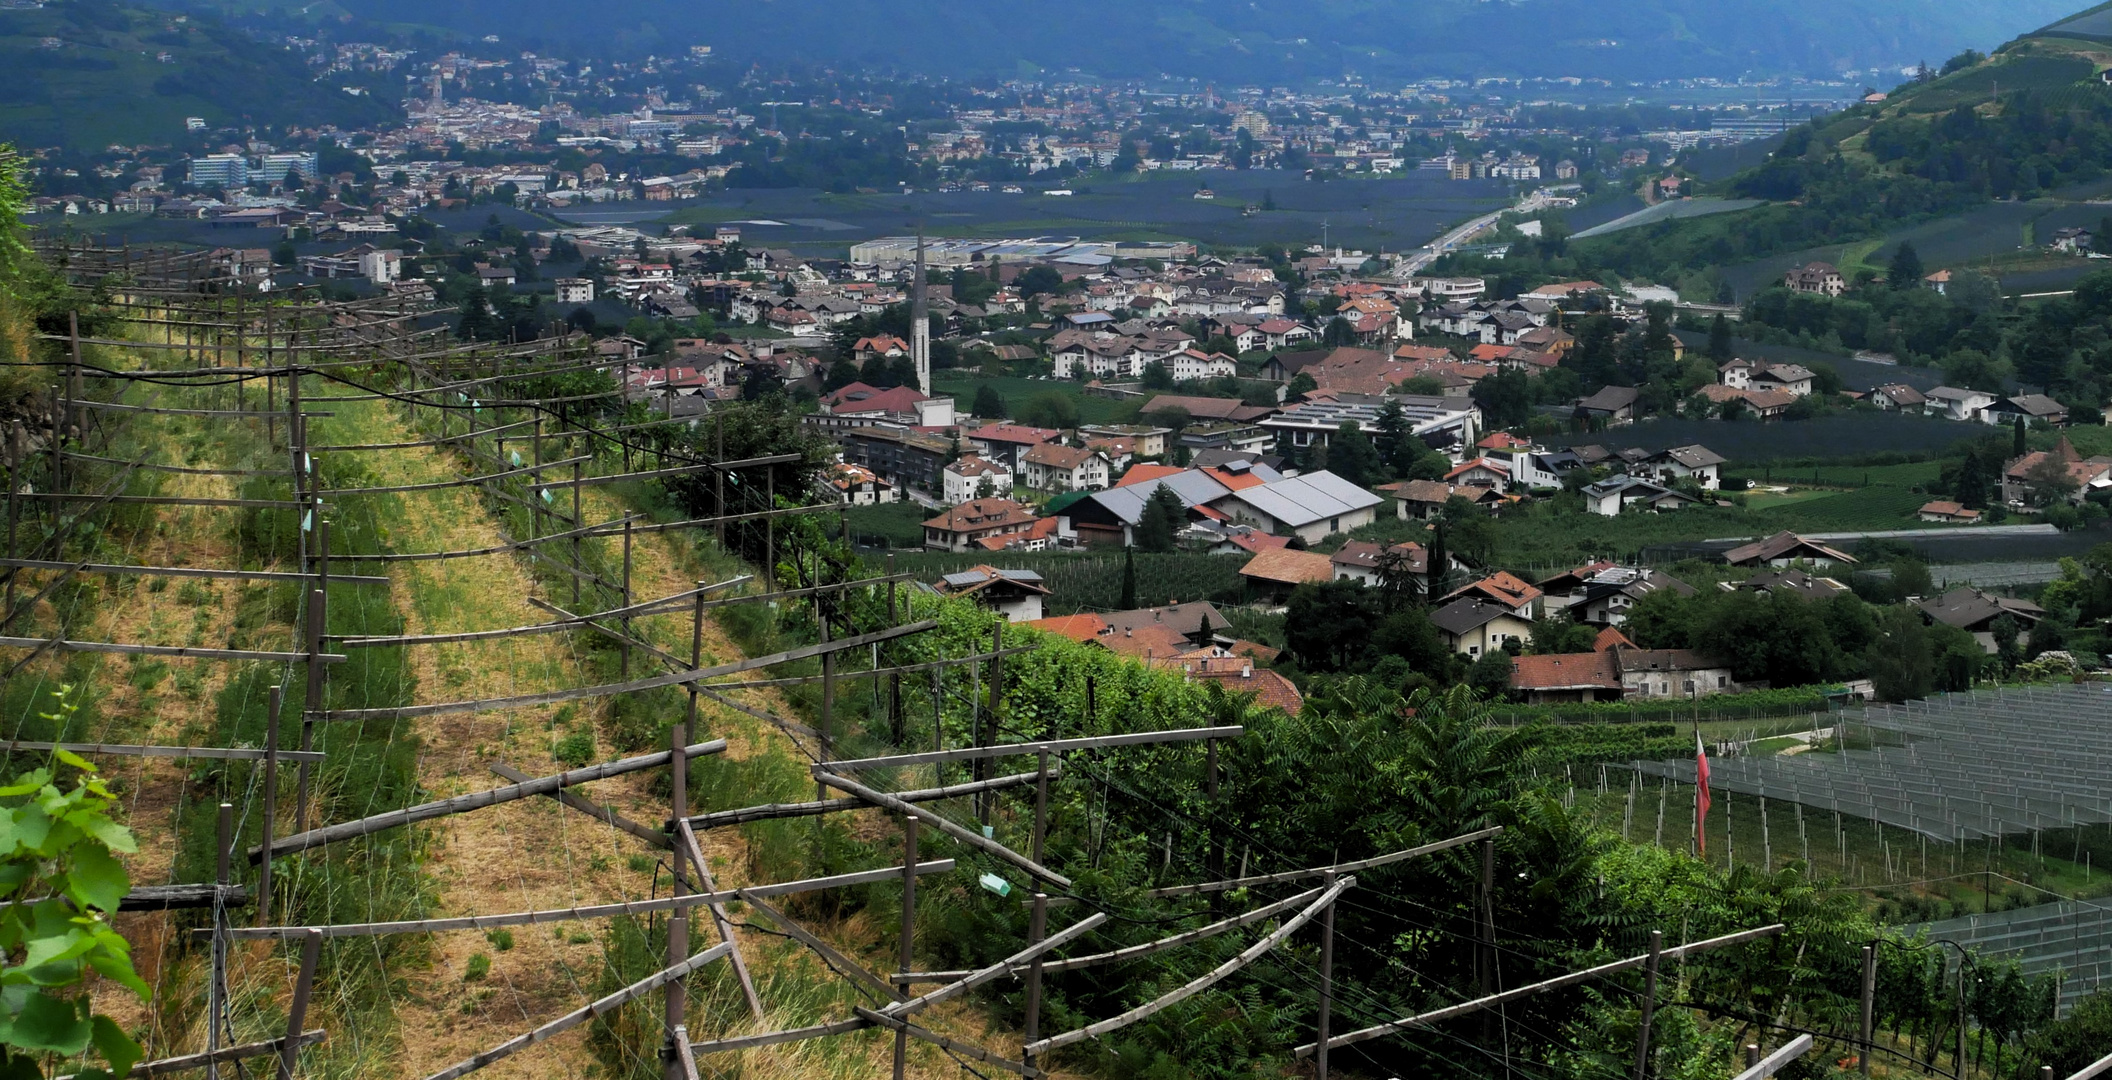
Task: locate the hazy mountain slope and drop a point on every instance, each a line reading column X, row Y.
column 87, row 73
column 1245, row 41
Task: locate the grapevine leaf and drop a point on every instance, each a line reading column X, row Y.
column 49, row 1023
column 97, row 880
column 116, row 1047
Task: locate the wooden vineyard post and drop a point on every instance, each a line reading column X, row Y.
column 297, row 1012
column 14, row 501
column 312, row 703
column 1327, row 976
column 1092, row 711
column 58, row 435
column 578, row 562
column 627, row 632
column 986, row 732
column 1037, row 927
column 696, row 660
column 269, row 810
column 678, row 921
column 769, row 531
column 296, row 436
column 909, row 922
column 1485, row 949
column 73, row 373
column 826, row 730
column 1869, row 1009
column 534, row 513
column 1642, row 1037
column 1216, row 856
column 216, row 990
column 718, row 475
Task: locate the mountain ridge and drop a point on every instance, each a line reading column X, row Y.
column 1244, row 42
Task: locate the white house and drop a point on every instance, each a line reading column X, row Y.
column 1055, row 467
column 1191, row 364
column 1311, row 507
column 1953, row 403
column 967, row 479
column 1697, row 463
column 381, row 265
column 575, row 290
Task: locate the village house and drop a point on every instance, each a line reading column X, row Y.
column 1474, row 626
column 858, row 486
column 1615, row 494
column 1311, row 506
column 1616, row 669
column 1978, row 613
column 1055, row 468
column 1015, row 594
column 1786, row 549
column 975, row 521
column 1954, row 403
column 973, row 477
column 1274, row 574
column 1946, row 512
column 1822, row 278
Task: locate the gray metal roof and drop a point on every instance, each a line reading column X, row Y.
column 1302, row 500
column 1193, row 488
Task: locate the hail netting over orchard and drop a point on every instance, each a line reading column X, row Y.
column 1972, row 766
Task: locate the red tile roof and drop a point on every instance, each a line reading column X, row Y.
column 1570, row 671
column 1082, row 627
column 1144, row 473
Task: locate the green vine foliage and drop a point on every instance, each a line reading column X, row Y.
column 61, row 881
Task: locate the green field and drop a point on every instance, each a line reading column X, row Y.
column 1018, row 392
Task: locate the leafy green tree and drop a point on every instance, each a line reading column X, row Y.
column 2019, row 445
column 1506, row 398
column 1352, row 457
column 1338, row 332
column 1328, row 626
column 62, row 882
column 1157, row 377
column 1129, row 579
column 1491, row 673
column 1300, row 385
column 1049, row 409
column 1161, row 522
column 840, row 374
column 1906, row 271
column 1719, row 339
column 1038, row 281
column 478, row 323
column 1396, row 442
column 989, row 404
column 1557, row 635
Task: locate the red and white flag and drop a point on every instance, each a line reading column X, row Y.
column 1701, row 796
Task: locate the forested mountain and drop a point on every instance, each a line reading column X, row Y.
column 1238, row 42
column 88, row 73
column 2030, row 120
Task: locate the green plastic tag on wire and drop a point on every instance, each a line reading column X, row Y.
column 546, row 494
column 308, row 521
column 995, row 884
column 516, row 459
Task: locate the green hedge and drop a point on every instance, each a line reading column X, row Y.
column 1751, row 705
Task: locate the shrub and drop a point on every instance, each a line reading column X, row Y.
column 576, row 749
column 479, row 967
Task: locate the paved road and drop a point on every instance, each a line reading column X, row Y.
column 1443, row 245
